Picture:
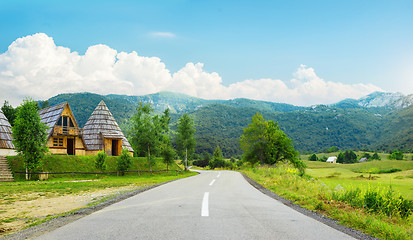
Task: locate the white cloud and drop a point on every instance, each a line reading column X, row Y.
column 162, row 34
column 194, row 81
column 34, row 66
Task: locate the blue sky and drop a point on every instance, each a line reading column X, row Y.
column 343, row 42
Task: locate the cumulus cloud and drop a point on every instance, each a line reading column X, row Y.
column 34, row 66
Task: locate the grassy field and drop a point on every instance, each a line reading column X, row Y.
column 29, row 203
column 26, row 203
column 354, row 194
column 56, row 164
column 366, row 174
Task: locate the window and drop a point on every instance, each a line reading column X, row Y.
column 71, row 123
column 57, row 142
column 65, row 121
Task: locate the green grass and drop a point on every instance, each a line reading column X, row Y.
column 63, row 186
column 56, row 163
column 383, row 156
column 361, row 208
column 366, row 174
column 10, row 192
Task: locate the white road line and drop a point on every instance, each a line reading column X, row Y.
column 219, row 174
column 205, row 210
column 212, row 182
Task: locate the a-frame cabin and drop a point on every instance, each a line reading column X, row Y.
column 64, row 134
column 6, row 144
column 102, row 132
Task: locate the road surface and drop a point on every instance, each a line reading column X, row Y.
column 211, row 205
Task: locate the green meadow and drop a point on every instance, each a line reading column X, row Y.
column 373, row 174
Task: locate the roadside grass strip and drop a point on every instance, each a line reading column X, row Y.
column 25, row 204
column 378, row 211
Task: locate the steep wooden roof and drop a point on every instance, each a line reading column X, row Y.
column 5, row 133
column 102, row 123
column 50, row 115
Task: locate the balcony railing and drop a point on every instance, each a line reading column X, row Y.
column 73, row 131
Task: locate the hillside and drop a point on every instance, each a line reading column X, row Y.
column 381, row 123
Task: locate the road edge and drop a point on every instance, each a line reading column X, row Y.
column 312, row 214
column 38, row 230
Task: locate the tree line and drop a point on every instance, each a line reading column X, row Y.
column 262, row 141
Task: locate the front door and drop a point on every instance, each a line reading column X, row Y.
column 115, row 150
column 70, row 146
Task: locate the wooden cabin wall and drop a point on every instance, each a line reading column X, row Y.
column 7, row 152
column 62, row 150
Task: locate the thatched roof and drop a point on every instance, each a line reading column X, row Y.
column 102, row 124
column 5, row 133
column 51, row 115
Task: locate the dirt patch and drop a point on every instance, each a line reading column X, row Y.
column 18, row 212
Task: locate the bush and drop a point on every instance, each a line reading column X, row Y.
column 375, row 156
column 376, row 200
column 331, row 149
column 123, row 162
column 313, row 157
column 100, row 161
column 389, row 170
column 204, row 161
column 367, row 155
column 347, row 157
column 397, row 155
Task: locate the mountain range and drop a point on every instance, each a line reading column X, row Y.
column 379, row 121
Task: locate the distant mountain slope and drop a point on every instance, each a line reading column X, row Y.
column 378, row 101
column 378, row 121
column 397, row 130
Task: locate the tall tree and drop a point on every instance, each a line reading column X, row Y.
column 9, row 112
column 148, row 131
column 168, row 153
column 217, row 159
column 185, row 139
column 29, row 135
column 263, row 142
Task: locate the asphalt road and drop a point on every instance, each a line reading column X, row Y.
column 211, row 205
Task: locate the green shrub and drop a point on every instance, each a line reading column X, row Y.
column 123, row 162
column 397, row 155
column 313, row 157
column 382, row 201
column 375, row 156
column 100, row 161
column 389, row 170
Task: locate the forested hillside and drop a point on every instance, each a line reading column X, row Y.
column 347, row 125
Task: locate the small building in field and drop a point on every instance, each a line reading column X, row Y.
column 6, row 139
column 64, row 134
column 102, row 132
column 363, row 160
column 332, row 159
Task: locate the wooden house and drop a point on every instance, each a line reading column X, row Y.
column 6, row 144
column 102, row 132
column 64, row 134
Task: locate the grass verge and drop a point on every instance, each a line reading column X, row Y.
column 25, row 204
column 313, row 194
